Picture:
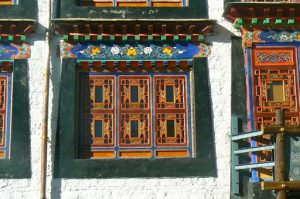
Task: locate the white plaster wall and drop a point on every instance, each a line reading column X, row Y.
column 219, row 64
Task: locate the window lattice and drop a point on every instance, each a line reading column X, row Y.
column 274, row 86
column 98, row 111
column 139, row 116
column 170, row 104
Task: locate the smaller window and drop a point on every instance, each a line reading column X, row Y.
column 134, row 94
column 99, row 94
column 134, row 128
column 170, row 93
column 98, row 128
column 170, row 128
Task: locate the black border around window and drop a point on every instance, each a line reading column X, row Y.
column 66, row 166
column 18, row 165
column 70, row 9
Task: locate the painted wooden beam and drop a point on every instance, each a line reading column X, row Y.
column 274, row 129
column 282, row 185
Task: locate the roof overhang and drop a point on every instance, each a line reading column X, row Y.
column 259, row 15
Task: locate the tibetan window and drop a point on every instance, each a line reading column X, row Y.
column 134, row 3
column 134, row 115
column 5, row 91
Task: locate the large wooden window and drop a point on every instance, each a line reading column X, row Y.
column 134, row 116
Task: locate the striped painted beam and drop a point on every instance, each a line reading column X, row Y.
column 17, row 37
column 183, row 65
column 137, row 38
column 265, row 22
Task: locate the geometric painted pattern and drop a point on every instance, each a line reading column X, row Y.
column 270, row 57
column 274, row 86
column 133, row 51
column 170, row 110
column 118, row 118
column 135, row 113
column 98, row 113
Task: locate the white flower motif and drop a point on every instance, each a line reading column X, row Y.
column 115, row 50
column 148, row 50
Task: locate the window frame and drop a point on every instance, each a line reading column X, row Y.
column 67, row 166
column 70, row 9
column 20, row 126
column 7, row 115
column 153, row 146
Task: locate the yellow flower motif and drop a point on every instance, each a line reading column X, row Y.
column 298, row 36
column 96, row 50
column 168, row 50
column 131, row 52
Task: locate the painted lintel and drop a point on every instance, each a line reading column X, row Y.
column 133, row 51
column 10, row 51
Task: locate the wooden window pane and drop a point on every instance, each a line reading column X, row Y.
column 170, row 93
column 99, row 94
column 134, row 94
column 170, row 128
column 98, row 128
column 134, row 128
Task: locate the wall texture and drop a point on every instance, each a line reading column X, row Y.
column 219, row 64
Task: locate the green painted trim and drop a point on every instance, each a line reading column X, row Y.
column 204, row 164
column 163, row 37
column 291, row 21
column 124, row 38
column 201, row 37
column 137, row 37
column 278, row 21
column 23, row 37
column 112, row 38
column 188, row 38
column 254, row 21
column 76, row 37
column 66, row 37
column 19, row 166
column 87, row 37
column 266, row 21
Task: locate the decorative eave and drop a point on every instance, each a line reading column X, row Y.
column 264, row 16
column 16, row 29
column 191, row 30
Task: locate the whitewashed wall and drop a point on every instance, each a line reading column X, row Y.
column 219, row 64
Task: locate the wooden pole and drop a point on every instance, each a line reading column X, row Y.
column 46, row 104
column 280, row 167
